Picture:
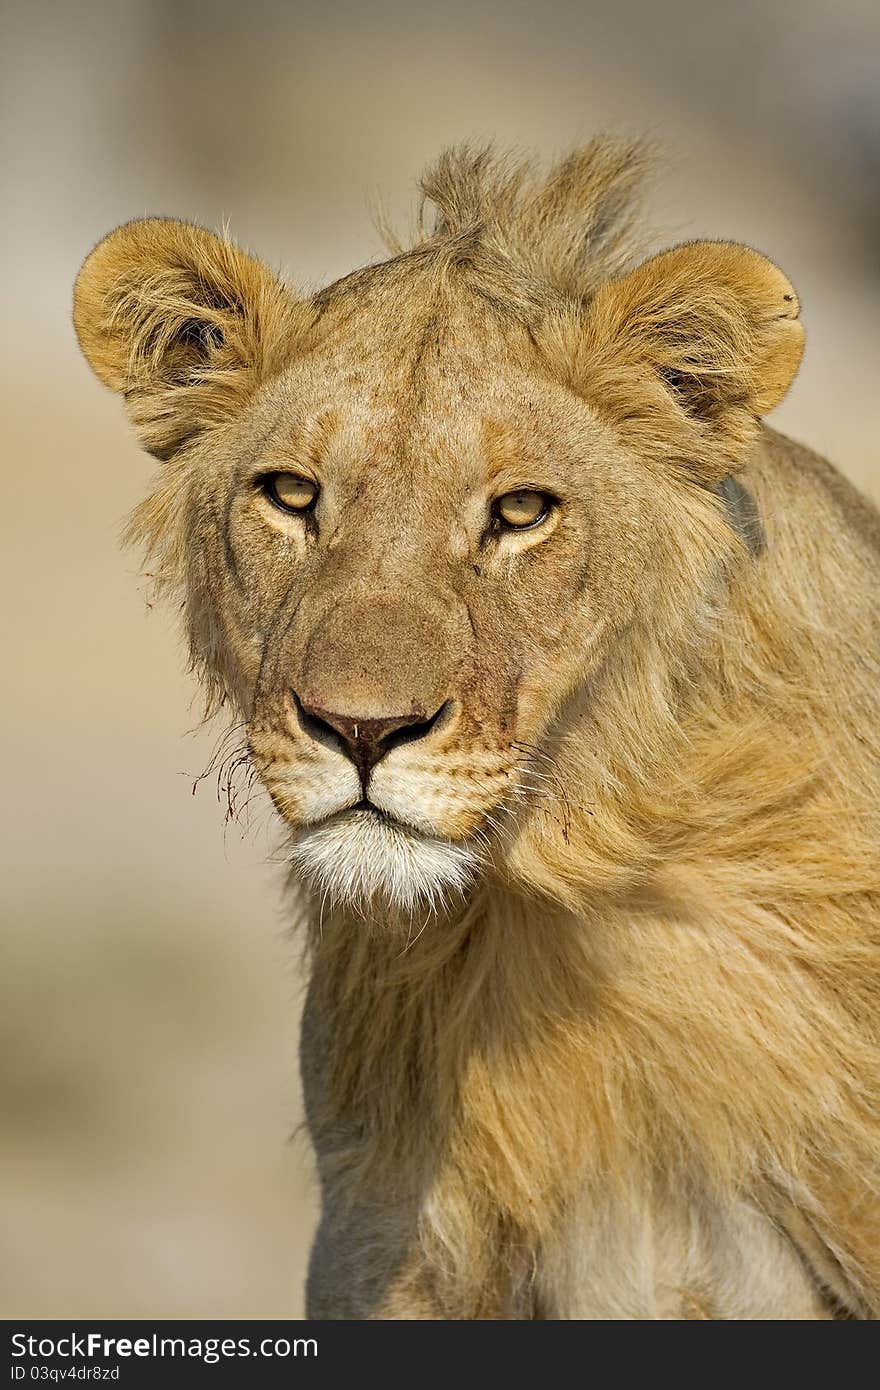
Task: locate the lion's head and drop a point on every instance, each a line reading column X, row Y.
column 417, row 517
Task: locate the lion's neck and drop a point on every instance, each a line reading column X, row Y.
column 453, row 1051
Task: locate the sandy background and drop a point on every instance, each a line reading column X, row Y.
column 149, row 986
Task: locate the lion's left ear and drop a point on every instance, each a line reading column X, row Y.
column 183, row 324
column 691, row 348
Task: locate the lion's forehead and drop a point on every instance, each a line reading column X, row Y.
column 458, row 423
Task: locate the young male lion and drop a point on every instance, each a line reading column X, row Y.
column 562, row 670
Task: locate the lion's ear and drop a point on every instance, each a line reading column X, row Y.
column 182, row 323
column 695, row 345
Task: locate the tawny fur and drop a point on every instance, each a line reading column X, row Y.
column 629, row 1063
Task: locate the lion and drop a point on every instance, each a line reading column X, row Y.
column 561, row 669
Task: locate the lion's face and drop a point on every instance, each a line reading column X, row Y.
column 420, row 560
column 413, row 517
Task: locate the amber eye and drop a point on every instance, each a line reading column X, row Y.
column 290, row 492
column 519, row 510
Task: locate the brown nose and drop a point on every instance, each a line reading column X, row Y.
column 365, row 740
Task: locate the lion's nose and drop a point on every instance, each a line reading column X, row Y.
column 365, row 739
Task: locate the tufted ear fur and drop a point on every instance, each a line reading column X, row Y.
column 686, row 352
column 182, row 323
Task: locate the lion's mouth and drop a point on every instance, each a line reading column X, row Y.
column 366, row 811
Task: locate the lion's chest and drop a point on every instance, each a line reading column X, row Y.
column 694, row 1258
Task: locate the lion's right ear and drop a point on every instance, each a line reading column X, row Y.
column 183, row 324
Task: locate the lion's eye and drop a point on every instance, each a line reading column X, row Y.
column 290, row 492
column 519, row 510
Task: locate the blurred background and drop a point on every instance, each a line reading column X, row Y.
column 150, row 981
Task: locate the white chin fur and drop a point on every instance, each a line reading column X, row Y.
column 359, row 860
